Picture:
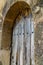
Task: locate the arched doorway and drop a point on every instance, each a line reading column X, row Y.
column 19, row 8
column 15, row 10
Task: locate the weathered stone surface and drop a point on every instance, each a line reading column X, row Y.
column 2, row 4
column 39, row 44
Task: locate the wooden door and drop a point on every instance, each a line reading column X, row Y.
column 23, row 42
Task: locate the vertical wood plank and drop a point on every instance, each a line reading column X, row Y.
column 22, row 42
column 14, row 45
column 28, row 43
column 32, row 43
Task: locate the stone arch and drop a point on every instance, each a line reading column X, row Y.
column 20, row 7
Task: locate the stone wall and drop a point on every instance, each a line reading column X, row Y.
column 38, row 28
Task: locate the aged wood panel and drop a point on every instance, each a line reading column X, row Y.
column 23, row 43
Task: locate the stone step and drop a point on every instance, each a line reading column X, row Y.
column 4, row 55
column 0, row 31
